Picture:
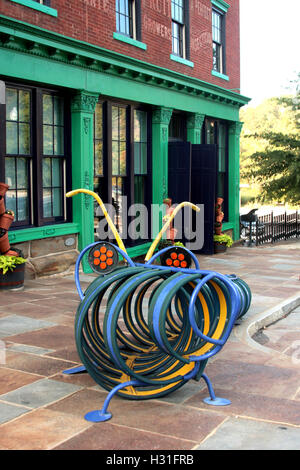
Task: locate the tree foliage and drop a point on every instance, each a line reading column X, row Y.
column 270, row 147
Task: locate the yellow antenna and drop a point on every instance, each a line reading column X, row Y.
column 106, row 215
column 167, row 224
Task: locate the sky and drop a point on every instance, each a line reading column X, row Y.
column 270, row 47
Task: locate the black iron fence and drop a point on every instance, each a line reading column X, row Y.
column 271, row 228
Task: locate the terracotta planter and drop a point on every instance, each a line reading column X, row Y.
column 3, row 188
column 6, row 220
column 13, row 279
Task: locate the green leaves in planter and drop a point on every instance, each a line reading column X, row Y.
column 10, row 262
column 178, row 244
column 224, row 239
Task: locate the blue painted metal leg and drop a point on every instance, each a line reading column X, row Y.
column 97, row 416
column 75, row 370
column 213, row 400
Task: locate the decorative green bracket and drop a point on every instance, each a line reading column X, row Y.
column 194, row 127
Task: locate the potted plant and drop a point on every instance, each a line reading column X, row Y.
column 12, row 272
column 221, row 242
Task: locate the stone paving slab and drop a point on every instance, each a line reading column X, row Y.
column 245, row 434
column 39, row 393
column 9, row 412
column 40, row 430
column 16, row 324
column 262, row 379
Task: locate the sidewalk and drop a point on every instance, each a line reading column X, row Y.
column 42, row 408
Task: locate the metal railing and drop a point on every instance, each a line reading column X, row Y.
column 276, row 227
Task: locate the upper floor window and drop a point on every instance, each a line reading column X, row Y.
column 178, row 27
column 43, row 2
column 217, row 35
column 125, row 17
column 219, row 11
column 42, row 6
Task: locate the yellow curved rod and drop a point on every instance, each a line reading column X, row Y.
column 101, row 204
column 167, row 224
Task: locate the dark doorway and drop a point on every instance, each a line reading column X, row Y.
column 192, row 177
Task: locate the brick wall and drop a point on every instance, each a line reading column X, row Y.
column 93, row 21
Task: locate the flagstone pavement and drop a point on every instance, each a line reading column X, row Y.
column 258, row 370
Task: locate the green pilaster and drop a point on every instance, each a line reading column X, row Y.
column 160, row 136
column 194, row 128
column 82, row 109
column 234, row 176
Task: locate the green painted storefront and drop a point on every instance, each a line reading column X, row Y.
column 33, row 55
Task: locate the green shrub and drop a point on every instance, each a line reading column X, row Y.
column 10, row 262
column 225, row 239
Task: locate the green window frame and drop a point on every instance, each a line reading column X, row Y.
column 123, row 146
column 43, row 6
column 35, row 154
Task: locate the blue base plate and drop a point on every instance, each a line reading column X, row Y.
column 97, row 416
column 217, row 401
column 75, row 370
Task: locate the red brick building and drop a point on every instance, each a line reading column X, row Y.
column 167, row 69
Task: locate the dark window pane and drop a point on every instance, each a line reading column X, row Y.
column 11, row 104
column 98, row 121
column 24, row 139
column 57, row 202
column 137, row 158
column 10, row 172
column 98, row 158
column 11, row 201
column 12, row 138
column 122, row 124
column 122, row 158
column 24, row 106
column 22, row 212
column 22, row 173
column 48, row 140
column 47, row 204
column 115, row 158
column 46, row 172
column 47, row 109
column 58, row 111
column 56, row 172
column 139, row 189
column 143, row 159
column 115, row 123
column 58, row 140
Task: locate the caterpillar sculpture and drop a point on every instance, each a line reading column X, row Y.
column 144, row 330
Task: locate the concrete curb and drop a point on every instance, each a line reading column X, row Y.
column 247, row 329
